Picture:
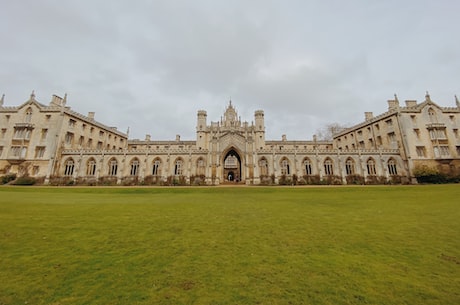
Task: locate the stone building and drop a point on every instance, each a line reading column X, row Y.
column 55, row 142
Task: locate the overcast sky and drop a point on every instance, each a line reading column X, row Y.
column 151, row 65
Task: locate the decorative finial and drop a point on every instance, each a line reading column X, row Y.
column 456, row 101
column 396, row 97
column 127, row 131
column 427, row 96
column 2, row 100
column 32, row 95
column 64, row 100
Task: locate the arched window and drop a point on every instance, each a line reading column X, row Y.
column 28, row 116
column 350, row 166
column 156, row 171
column 200, row 167
column 134, row 171
column 285, row 168
column 307, row 167
column 178, row 165
column 432, row 115
column 263, row 166
column 371, row 167
column 392, row 169
column 69, row 167
column 91, row 167
column 113, row 167
column 328, row 167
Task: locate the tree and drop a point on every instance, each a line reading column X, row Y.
column 327, row 132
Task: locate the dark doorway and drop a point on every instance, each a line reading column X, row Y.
column 232, row 166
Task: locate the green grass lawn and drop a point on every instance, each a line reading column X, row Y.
column 230, row 245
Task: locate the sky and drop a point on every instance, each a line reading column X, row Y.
column 151, row 65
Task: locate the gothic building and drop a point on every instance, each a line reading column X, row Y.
column 52, row 141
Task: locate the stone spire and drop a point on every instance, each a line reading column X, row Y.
column 457, row 102
column 32, row 96
column 427, row 97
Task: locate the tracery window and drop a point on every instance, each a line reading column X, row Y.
column 134, row 171
column 350, row 167
column 156, row 167
column 28, row 116
column 200, row 167
column 307, row 167
column 113, row 167
column 392, row 169
column 91, row 167
column 328, row 167
column 178, row 165
column 263, row 166
column 285, row 168
column 371, row 167
column 69, row 167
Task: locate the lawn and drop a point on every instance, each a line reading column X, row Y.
column 230, row 245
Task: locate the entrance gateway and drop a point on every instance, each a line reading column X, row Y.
column 232, row 167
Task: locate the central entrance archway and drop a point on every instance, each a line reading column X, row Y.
column 232, row 166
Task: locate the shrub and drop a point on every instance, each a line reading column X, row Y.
column 426, row 174
column 376, row 180
column 108, row 180
column 8, row 178
column 25, row 180
column 332, row 180
column 312, row 179
column 354, row 179
column 284, row 180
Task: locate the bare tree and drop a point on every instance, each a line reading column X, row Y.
column 326, row 133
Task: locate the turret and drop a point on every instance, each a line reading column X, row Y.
column 201, row 129
column 259, row 128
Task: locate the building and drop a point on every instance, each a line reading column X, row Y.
column 53, row 142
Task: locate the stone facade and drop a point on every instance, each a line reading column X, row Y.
column 54, row 142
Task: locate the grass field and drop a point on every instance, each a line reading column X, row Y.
column 230, row 245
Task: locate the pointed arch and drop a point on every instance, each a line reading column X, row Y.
column 285, row 166
column 200, row 167
column 307, row 168
column 134, row 167
column 178, row 167
column 69, row 167
column 328, row 167
column 113, row 167
column 91, row 167
column 263, row 166
column 350, row 166
column 370, row 164
column 156, row 167
column 392, row 167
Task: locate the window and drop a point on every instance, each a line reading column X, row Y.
column 421, row 151
column 307, row 167
column 156, row 168
column 432, row 115
column 81, row 140
column 328, row 167
column 44, row 133
column 263, row 166
column 178, row 167
column 90, row 143
column 28, row 116
column 39, row 151
column 391, row 137
column 379, row 140
column 72, row 123
column 35, row 170
column 200, row 167
column 69, row 138
column 19, row 151
column 91, row 167
column 441, row 151
column 101, row 133
column 361, row 144
column 437, row 134
column 22, row 133
column 389, row 122
column 69, row 167
column 371, row 167
column 1, row 150
column 285, row 170
column 350, row 167
column 231, row 162
column 458, row 151
column 392, row 170
column 113, row 167
column 2, row 135
column 83, row 127
column 456, row 132
column 99, row 145
column 134, row 167
column 417, row 133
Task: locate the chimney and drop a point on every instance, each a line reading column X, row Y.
column 411, row 103
column 368, row 116
column 177, row 138
column 91, row 115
